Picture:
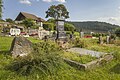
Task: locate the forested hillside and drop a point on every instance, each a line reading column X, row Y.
column 94, row 26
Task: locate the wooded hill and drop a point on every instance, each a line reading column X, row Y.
column 93, row 26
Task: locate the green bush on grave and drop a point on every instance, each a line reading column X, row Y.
column 45, row 58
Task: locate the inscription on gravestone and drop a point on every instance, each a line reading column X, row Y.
column 60, row 29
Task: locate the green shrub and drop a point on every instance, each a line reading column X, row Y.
column 49, row 26
column 95, row 34
column 80, row 43
column 9, row 20
column 117, row 32
column 29, row 23
column 69, row 27
column 44, row 59
column 68, row 32
column 76, row 34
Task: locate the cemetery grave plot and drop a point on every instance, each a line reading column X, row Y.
column 86, row 59
column 104, row 69
column 95, row 54
column 83, row 59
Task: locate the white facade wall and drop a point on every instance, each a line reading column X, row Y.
column 15, row 31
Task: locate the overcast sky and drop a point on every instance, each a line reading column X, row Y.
column 80, row 10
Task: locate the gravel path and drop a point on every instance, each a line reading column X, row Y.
column 86, row 52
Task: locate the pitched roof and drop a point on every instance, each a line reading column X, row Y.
column 31, row 16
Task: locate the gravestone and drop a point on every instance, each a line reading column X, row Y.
column 60, row 29
column 100, row 40
column 108, row 39
column 21, row 47
column 61, row 35
column 81, row 34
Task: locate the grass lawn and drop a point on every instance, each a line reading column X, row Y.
column 110, row 71
column 5, row 43
column 34, row 40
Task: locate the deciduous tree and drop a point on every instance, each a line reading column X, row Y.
column 117, row 32
column 29, row 23
column 57, row 11
column 9, row 20
column 69, row 27
column 1, row 5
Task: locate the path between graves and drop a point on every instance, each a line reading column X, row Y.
column 83, row 51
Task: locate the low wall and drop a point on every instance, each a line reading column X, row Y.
column 76, row 64
column 91, row 64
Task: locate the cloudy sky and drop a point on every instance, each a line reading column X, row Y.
column 80, row 10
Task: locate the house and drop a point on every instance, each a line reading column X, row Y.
column 23, row 15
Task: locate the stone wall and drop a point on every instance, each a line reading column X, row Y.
column 76, row 64
column 91, row 64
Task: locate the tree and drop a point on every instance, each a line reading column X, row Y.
column 117, row 32
column 57, row 11
column 29, row 23
column 69, row 27
column 1, row 2
column 9, row 20
column 48, row 26
column 51, row 20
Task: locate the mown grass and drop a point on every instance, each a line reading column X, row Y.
column 92, row 44
column 34, row 40
column 5, row 43
column 110, row 71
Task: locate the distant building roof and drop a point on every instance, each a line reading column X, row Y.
column 24, row 15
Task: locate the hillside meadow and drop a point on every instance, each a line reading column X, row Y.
column 47, row 64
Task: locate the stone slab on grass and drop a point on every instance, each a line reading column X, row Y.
column 86, row 52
